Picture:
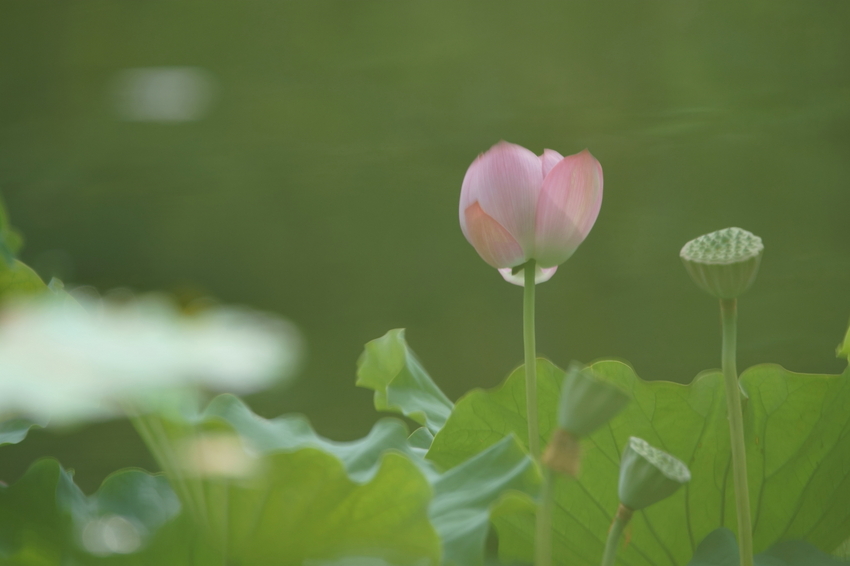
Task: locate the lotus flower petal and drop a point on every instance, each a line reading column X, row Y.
column 493, row 243
column 505, row 182
column 567, row 208
column 549, row 159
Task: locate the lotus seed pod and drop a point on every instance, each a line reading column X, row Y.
column 723, row 263
column 587, row 402
column 648, row 475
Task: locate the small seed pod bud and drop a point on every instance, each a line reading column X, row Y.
column 723, row 263
column 586, row 403
column 648, row 475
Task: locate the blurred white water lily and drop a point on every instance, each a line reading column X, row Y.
column 65, row 362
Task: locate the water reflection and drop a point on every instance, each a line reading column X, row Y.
column 163, row 94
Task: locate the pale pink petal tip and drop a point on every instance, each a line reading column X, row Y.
column 549, row 159
column 541, row 275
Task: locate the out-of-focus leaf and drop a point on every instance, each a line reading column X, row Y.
column 19, row 279
column 349, row 561
column 482, row 418
column 460, row 510
column 146, row 499
column 10, row 239
column 797, row 430
column 720, row 548
column 389, row 367
column 465, row 495
column 32, row 529
column 795, row 553
column 46, row 520
column 307, row 501
column 13, row 431
column 421, row 438
column 298, row 497
column 288, row 433
column 307, row 507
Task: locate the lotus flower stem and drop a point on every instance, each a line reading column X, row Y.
column 729, row 314
column 190, row 491
column 621, row 519
column 160, row 450
column 543, row 530
column 530, row 360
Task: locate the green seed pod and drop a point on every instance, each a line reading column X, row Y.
column 587, row 402
column 723, row 263
column 648, row 475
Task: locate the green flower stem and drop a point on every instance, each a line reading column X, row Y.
column 190, row 491
column 543, row 530
column 161, row 451
column 624, row 515
column 530, row 360
column 729, row 313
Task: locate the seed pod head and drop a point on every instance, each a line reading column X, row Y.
column 723, row 263
column 587, row 402
column 648, row 475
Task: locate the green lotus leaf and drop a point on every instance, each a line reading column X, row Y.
column 10, row 239
column 797, row 430
column 390, row 368
column 482, row 418
column 465, row 495
column 314, row 501
column 720, row 548
column 17, row 278
column 13, row 431
column 462, row 497
column 307, row 507
column 278, row 493
column 45, row 519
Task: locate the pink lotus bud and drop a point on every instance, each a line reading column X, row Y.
column 516, row 206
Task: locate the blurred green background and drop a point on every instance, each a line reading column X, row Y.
column 320, row 179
